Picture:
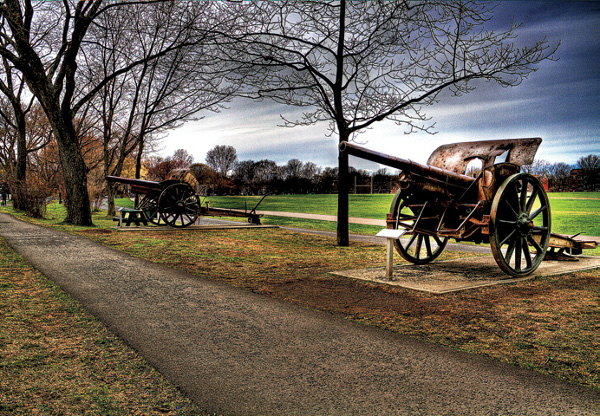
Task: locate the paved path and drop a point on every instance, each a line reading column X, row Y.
column 238, row 353
column 321, row 217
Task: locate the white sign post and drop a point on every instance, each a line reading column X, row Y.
column 390, row 235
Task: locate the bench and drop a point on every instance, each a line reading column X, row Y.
column 128, row 216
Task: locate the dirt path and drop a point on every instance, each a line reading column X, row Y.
column 238, row 353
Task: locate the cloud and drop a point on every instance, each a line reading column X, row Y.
column 559, row 103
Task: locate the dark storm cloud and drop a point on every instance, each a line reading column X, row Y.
column 559, row 102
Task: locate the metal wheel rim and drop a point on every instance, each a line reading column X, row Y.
column 178, row 205
column 520, row 220
column 418, row 248
column 149, row 207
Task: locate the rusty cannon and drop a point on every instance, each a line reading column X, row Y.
column 174, row 202
column 500, row 204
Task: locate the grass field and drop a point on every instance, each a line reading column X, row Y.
column 572, row 213
column 576, row 213
column 549, row 325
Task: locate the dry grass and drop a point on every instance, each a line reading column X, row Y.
column 550, row 324
column 57, row 359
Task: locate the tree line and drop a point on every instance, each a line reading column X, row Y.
column 561, row 177
column 224, row 174
column 111, row 77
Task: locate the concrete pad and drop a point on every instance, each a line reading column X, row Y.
column 462, row 274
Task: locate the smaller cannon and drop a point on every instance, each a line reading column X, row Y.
column 175, row 203
column 502, row 205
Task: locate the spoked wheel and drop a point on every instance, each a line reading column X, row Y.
column 149, row 206
column 520, row 220
column 179, row 205
column 415, row 247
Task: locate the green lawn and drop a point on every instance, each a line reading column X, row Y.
column 572, row 213
column 577, row 212
column 124, row 202
column 363, row 206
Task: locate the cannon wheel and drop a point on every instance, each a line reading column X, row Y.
column 417, row 248
column 149, row 206
column 179, row 205
column 520, row 219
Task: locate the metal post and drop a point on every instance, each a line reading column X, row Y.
column 390, row 235
column 389, row 264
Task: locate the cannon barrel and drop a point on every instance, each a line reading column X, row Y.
column 140, row 183
column 408, row 166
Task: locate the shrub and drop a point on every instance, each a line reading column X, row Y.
column 31, row 197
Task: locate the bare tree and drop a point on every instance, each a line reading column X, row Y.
column 589, row 162
column 310, row 170
column 49, row 71
column 203, row 174
column 264, row 172
column 243, row 174
column 160, row 93
column 46, row 41
column 590, row 171
column 559, row 176
column 539, row 167
column 8, row 151
column 221, row 159
column 23, row 131
column 177, row 85
column 185, row 158
column 355, row 63
column 45, row 165
column 297, row 177
column 293, row 169
column 12, row 86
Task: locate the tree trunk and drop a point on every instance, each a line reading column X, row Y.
column 111, row 200
column 138, row 159
column 77, row 200
column 110, row 190
column 21, row 171
column 138, row 165
column 343, row 237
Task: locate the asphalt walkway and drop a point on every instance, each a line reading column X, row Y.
column 238, row 353
column 321, row 217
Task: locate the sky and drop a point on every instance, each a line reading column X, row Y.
column 559, row 103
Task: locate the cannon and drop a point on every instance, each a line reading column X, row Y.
column 175, row 203
column 500, row 204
